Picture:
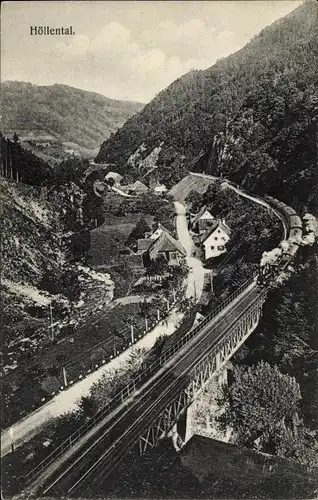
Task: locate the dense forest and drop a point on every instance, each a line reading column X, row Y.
column 250, row 117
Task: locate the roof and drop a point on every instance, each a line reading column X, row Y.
column 138, row 185
column 144, row 244
column 160, row 187
column 200, row 215
column 158, row 225
column 113, row 175
column 165, row 243
column 217, row 224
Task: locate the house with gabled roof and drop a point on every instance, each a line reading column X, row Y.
column 214, row 240
column 167, row 247
column 202, row 221
column 137, row 187
column 159, row 244
column 115, row 177
column 157, row 230
column 160, row 189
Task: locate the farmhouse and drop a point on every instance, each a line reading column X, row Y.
column 214, row 240
column 158, row 244
column 202, row 221
column 169, row 248
column 156, row 231
column 115, row 177
column 71, row 151
column 159, row 189
column 137, row 188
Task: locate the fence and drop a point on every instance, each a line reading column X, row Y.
column 106, row 350
column 98, row 355
column 130, row 388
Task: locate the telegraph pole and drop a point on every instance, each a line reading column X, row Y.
column 132, row 333
column 64, row 376
column 211, row 281
column 51, row 321
column 168, row 306
column 11, row 439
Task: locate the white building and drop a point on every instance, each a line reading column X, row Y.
column 115, row 177
column 160, row 189
column 215, row 239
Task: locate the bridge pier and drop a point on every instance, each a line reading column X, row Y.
column 210, row 373
column 207, row 399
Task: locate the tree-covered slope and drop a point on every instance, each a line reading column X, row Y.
column 249, row 117
column 71, row 114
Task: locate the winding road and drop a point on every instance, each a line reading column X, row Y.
column 197, row 271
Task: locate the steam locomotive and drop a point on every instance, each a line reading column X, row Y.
column 275, row 261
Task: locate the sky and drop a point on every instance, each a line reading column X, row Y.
column 128, row 50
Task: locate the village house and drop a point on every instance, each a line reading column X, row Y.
column 202, row 221
column 144, row 243
column 157, row 230
column 137, row 188
column 160, row 189
column 115, row 177
column 159, row 243
column 167, row 247
column 214, row 240
column 72, row 152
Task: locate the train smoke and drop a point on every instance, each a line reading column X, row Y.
column 284, row 245
column 310, row 229
column 271, row 257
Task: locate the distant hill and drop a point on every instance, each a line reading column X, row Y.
column 72, row 115
column 250, row 117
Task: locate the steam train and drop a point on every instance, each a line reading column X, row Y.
column 275, row 261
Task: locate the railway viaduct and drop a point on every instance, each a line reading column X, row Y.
column 149, row 407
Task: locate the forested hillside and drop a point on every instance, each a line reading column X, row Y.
column 71, row 114
column 250, row 117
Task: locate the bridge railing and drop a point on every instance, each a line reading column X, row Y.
column 130, row 388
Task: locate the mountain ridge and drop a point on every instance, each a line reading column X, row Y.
column 71, row 114
column 249, row 117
